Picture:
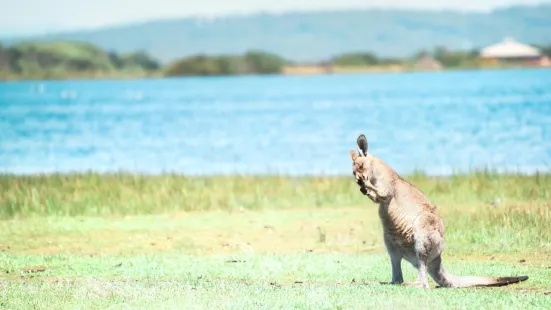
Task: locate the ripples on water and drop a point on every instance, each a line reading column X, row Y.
column 436, row 122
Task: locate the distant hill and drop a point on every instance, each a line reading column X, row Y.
column 314, row 36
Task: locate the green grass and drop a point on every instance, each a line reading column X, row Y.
column 245, row 281
column 307, row 258
column 122, row 194
column 94, row 241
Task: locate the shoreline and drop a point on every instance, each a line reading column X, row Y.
column 141, row 174
column 289, row 71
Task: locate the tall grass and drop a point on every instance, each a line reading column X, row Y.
column 122, row 194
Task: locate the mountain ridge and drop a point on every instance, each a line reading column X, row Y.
column 310, row 36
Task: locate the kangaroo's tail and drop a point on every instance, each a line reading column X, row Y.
column 475, row 281
column 445, row 279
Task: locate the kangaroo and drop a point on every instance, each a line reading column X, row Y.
column 412, row 229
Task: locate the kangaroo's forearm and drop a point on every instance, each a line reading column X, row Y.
column 380, row 191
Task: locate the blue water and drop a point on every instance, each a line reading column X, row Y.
column 436, row 122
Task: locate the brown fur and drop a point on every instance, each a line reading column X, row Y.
column 412, row 229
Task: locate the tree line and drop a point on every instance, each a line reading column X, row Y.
column 69, row 59
column 253, row 62
column 78, row 59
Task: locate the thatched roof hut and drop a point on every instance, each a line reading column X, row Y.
column 426, row 62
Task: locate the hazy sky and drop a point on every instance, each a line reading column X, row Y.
column 40, row 16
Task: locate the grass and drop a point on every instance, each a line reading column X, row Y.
column 118, row 241
column 245, row 281
column 125, row 194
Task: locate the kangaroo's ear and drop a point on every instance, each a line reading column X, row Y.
column 361, row 143
column 353, row 155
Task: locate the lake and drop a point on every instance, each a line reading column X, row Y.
column 439, row 123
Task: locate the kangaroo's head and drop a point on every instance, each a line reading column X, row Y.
column 359, row 162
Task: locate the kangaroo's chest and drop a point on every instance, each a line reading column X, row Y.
column 398, row 226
